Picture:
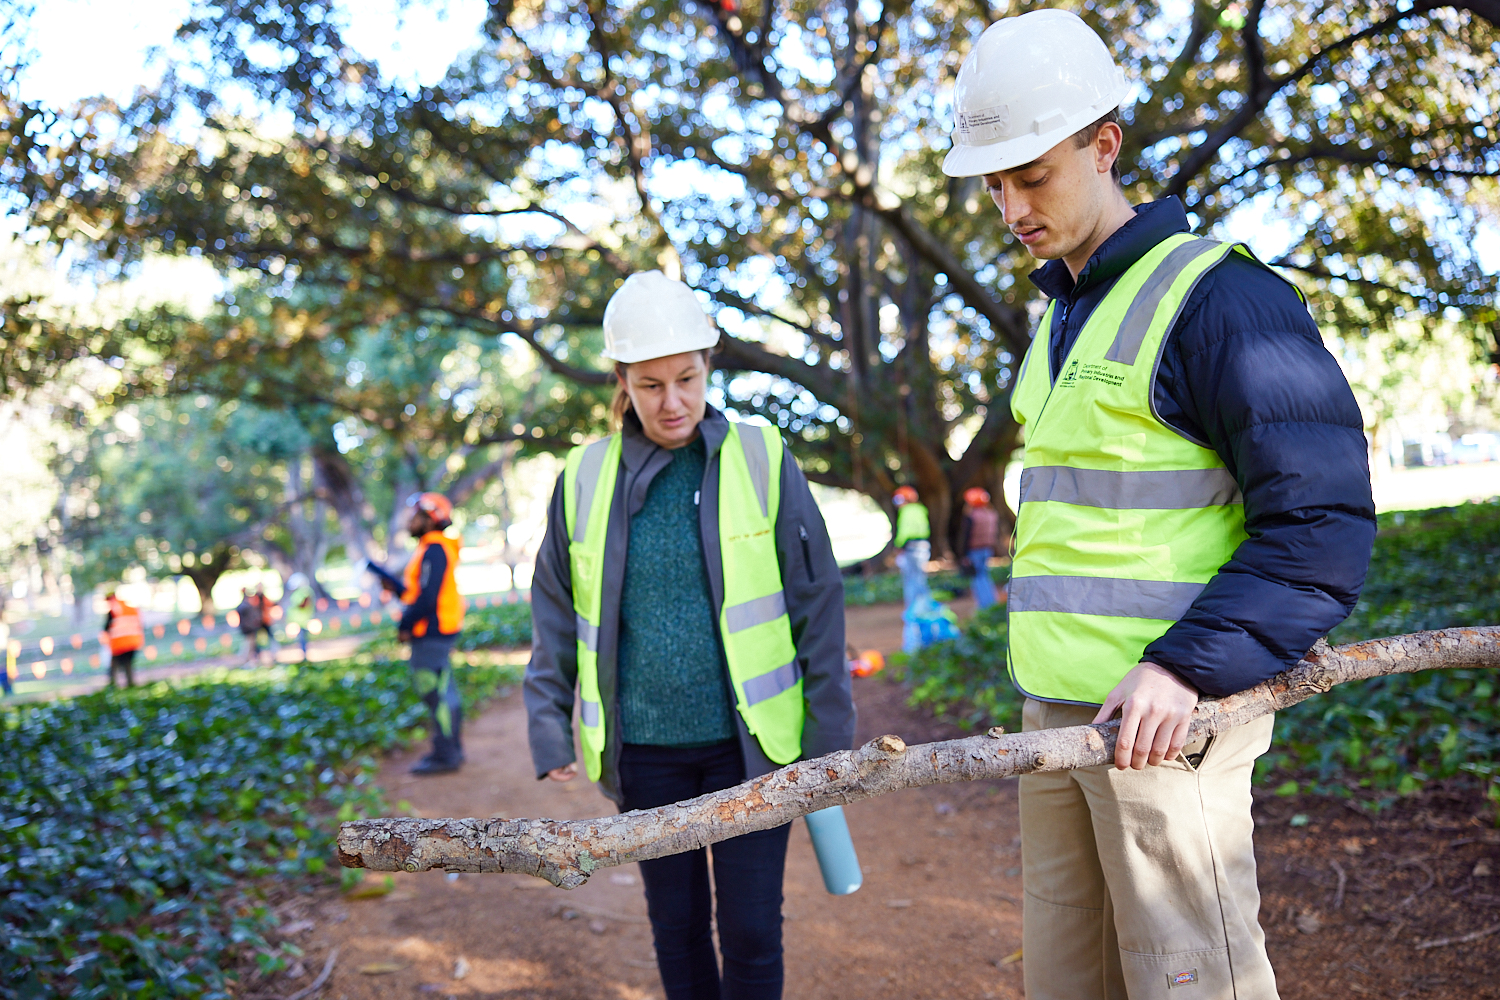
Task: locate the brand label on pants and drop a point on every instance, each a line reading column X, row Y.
column 1186, row 977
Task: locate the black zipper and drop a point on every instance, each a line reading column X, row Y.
column 806, row 554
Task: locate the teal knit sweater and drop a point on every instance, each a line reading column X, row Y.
column 672, row 673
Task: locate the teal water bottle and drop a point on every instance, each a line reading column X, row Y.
column 835, row 850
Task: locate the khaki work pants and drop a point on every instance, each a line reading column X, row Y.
column 1141, row 884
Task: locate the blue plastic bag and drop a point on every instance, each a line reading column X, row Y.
column 927, row 621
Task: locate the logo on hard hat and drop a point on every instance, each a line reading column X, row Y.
column 976, row 128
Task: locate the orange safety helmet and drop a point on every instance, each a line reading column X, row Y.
column 435, row 504
column 976, row 497
column 905, row 494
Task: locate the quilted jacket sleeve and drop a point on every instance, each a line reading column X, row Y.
column 1246, row 373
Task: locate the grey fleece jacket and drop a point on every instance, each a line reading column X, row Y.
column 809, row 575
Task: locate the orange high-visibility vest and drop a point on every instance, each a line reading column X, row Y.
column 450, row 606
column 126, row 632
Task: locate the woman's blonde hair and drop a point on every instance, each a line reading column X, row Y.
column 620, row 405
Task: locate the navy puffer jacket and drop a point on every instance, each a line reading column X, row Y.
column 1245, row 373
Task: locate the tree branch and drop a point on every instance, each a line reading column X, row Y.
column 1009, row 322
column 1261, row 88
column 567, row 852
column 753, row 357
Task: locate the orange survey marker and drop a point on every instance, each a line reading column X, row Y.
column 871, row 661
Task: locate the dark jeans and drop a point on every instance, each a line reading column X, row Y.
column 124, row 664
column 747, row 877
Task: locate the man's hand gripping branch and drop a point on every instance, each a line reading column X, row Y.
column 1155, row 708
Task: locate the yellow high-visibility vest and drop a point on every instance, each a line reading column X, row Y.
column 911, row 523
column 1121, row 520
column 753, row 622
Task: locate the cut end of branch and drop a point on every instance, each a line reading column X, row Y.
column 891, row 744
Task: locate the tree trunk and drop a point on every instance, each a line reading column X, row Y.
column 205, row 575
column 307, row 531
column 566, row 852
column 336, row 482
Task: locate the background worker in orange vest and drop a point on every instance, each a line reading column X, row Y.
column 431, row 623
column 977, row 538
column 122, row 625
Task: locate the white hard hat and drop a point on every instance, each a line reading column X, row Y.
column 1029, row 83
column 652, row 316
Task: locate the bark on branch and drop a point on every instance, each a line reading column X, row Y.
column 567, row 852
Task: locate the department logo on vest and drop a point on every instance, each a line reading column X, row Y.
column 1090, row 373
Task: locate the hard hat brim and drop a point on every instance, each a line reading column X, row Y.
column 628, row 355
column 976, row 161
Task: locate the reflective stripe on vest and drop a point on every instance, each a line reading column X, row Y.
column 1167, row 489
column 1121, row 521
column 1104, row 596
column 588, row 489
column 753, row 623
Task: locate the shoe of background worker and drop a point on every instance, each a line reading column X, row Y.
column 432, row 764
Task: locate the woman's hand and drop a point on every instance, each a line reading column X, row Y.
column 566, row 773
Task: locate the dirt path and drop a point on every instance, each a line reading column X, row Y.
column 935, row 917
column 939, row 912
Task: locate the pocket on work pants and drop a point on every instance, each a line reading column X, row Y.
column 1182, row 975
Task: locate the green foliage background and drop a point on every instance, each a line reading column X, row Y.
column 1430, row 569
column 137, row 823
column 500, row 627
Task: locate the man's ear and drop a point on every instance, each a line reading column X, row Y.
column 1108, row 141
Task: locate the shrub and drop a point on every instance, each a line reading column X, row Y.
column 885, row 588
column 130, row 815
column 498, row 627
column 966, row 679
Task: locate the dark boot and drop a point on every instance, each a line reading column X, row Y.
column 446, row 757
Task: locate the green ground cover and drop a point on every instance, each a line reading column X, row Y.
column 499, row 627
column 136, row 825
column 885, row 588
column 1393, row 735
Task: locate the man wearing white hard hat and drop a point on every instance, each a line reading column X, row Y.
column 1194, row 513
column 687, row 589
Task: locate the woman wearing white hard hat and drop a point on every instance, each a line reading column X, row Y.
column 1194, row 514
column 687, row 590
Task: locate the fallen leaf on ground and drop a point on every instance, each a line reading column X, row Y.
column 460, row 967
column 1012, row 958
column 1309, row 923
column 380, row 968
column 368, row 889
